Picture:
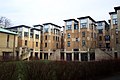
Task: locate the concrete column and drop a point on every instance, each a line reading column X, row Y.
column 42, row 56
column 22, row 33
column 72, row 26
column 79, row 56
column 72, row 56
column 88, row 56
column 65, row 56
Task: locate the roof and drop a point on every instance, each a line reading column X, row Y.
column 71, row 20
column 19, row 27
column 112, row 13
column 38, row 25
column 102, row 21
column 7, row 31
column 35, row 29
column 52, row 24
column 117, row 8
column 87, row 17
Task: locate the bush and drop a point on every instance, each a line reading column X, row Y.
column 57, row 70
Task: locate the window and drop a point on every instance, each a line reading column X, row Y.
column 56, row 45
column 68, row 27
column 100, row 38
column 100, row 31
column 114, row 21
column 83, row 25
column 99, row 24
column 107, row 38
column 45, row 29
column 31, row 35
column 83, row 43
column 95, row 35
column 68, row 35
column 76, row 26
column 83, row 34
column 25, row 42
column 68, row 43
column 7, row 40
column 45, row 37
column 45, row 44
column 25, row 34
column 77, row 39
column 36, row 44
column 36, row 36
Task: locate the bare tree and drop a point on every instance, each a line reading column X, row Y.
column 5, row 22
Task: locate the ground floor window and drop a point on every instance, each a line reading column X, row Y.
column 92, row 56
column 6, row 56
column 69, row 56
column 115, row 55
column 45, row 55
column 76, row 56
column 40, row 55
column 62, row 56
column 36, row 55
column 84, row 57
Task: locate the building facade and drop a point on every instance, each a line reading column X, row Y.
column 8, row 45
column 80, row 39
column 51, row 40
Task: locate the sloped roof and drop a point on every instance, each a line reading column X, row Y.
column 7, row 31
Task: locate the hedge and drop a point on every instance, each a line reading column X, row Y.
column 57, row 70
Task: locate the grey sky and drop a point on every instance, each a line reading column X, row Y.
column 31, row 12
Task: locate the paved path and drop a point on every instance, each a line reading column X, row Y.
column 113, row 77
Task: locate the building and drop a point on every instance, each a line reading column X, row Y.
column 51, row 40
column 103, row 35
column 79, row 39
column 8, row 45
column 115, row 31
column 28, row 42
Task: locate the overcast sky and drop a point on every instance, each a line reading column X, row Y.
column 32, row 12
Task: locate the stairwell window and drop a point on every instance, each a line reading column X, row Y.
column 68, row 43
column 83, row 34
column 7, row 40
column 83, row 43
column 68, row 35
column 45, row 37
column 45, row 44
column 77, row 39
column 36, row 44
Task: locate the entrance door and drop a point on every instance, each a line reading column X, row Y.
column 69, row 56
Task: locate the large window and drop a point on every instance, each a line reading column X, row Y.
column 25, row 34
column 76, row 26
column 114, row 18
column 83, row 23
column 68, row 43
column 37, row 36
column 68, row 35
column 69, row 25
column 46, row 28
column 83, row 43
